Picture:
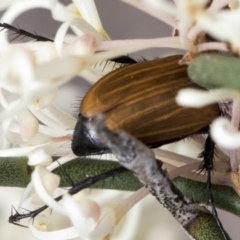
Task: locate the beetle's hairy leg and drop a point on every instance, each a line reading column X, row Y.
column 15, row 218
column 22, row 33
column 135, row 156
column 208, row 166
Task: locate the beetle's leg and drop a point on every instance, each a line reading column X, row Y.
column 124, row 60
column 75, row 189
column 22, row 33
column 208, row 166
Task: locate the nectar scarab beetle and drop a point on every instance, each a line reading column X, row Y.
column 140, row 99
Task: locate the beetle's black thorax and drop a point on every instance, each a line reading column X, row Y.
column 84, row 142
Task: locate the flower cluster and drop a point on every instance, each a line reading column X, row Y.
column 32, row 72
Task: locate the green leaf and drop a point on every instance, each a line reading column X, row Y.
column 16, row 173
column 215, row 71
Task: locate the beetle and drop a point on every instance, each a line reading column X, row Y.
column 140, row 99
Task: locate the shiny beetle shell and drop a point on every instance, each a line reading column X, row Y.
column 140, row 99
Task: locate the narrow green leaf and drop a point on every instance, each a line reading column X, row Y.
column 224, row 197
column 80, row 169
column 14, row 172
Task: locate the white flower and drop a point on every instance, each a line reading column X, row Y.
column 33, row 126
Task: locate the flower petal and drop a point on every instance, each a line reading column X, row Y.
column 199, row 98
column 83, row 214
column 18, row 152
column 40, row 187
column 63, row 234
column 39, row 157
column 43, row 101
column 224, row 134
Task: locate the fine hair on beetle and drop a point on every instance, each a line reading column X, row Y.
column 112, row 65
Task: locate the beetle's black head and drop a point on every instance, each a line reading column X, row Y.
column 84, row 141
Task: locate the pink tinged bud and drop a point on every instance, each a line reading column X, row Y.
column 85, row 45
column 84, row 215
column 28, row 125
column 89, row 209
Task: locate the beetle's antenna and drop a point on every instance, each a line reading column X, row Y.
column 15, row 218
column 22, row 33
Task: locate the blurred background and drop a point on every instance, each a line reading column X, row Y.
column 120, row 21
